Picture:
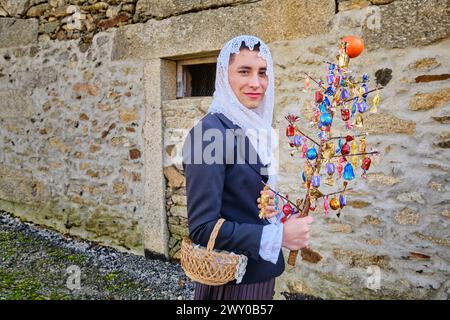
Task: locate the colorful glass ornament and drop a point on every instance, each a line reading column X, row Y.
column 307, row 84
column 311, row 154
column 330, row 168
column 344, row 94
column 345, row 114
column 362, row 106
column 375, row 103
column 304, row 148
column 354, row 106
column 362, row 145
column 290, row 130
column 334, row 203
column 297, row 141
column 348, row 172
column 342, row 201
column 359, row 122
column 349, row 138
column 337, row 80
column 365, row 166
column 328, row 152
column 315, row 181
column 345, row 150
column 318, row 96
column 329, row 91
column 340, row 168
column 326, row 119
column 330, row 79
column 365, row 77
column 325, row 205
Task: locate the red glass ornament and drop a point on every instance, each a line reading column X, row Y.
column 366, row 163
column 345, row 114
column 345, row 150
column 337, row 79
column 290, row 130
column 319, row 96
column 349, row 138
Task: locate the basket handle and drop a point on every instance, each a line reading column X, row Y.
column 212, row 238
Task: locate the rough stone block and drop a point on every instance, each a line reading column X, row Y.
column 406, row 23
column 15, row 104
column 209, row 30
column 17, row 32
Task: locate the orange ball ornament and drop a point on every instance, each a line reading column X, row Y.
column 355, row 46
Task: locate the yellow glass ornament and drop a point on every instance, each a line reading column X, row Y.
column 329, row 151
column 354, row 161
column 375, row 103
column 359, row 120
column 334, row 203
column 308, row 169
column 362, row 145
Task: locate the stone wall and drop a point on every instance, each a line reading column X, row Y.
column 70, row 138
column 91, row 132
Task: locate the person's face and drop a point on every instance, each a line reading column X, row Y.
column 247, row 77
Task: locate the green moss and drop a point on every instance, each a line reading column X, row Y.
column 77, row 259
column 16, row 287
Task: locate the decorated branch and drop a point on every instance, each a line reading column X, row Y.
column 342, row 99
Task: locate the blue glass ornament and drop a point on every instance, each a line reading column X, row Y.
column 315, row 181
column 330, row 168
column 329, row 91
column 345, row 94
column 326, row 119
column 311, row 154
column 331, row 67
column 322, row 135
column 323, row 107
column 342, row 82
column 348, row 172
column 354, row 106
column 366, row 89
column 365, row 77
column 340, row 144
column 297, row 141
column 330, row 79
column 362, row 106
column 326, row 101
column 342, row 200
column 303, row 176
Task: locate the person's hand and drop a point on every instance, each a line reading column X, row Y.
column 296, row 232
column 270, row 210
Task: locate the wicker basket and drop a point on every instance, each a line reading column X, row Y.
column 208, row 266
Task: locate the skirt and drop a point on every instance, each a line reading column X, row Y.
column 251, row 291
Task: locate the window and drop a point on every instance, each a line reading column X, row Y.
column 196, row 77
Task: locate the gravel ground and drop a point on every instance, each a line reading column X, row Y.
column 40, row 264
column 37, row 263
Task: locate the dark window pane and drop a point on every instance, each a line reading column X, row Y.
column 203, row 77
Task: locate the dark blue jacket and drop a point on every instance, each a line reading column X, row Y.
column 227, row 189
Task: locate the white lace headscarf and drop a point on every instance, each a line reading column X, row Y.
column 256, row 123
